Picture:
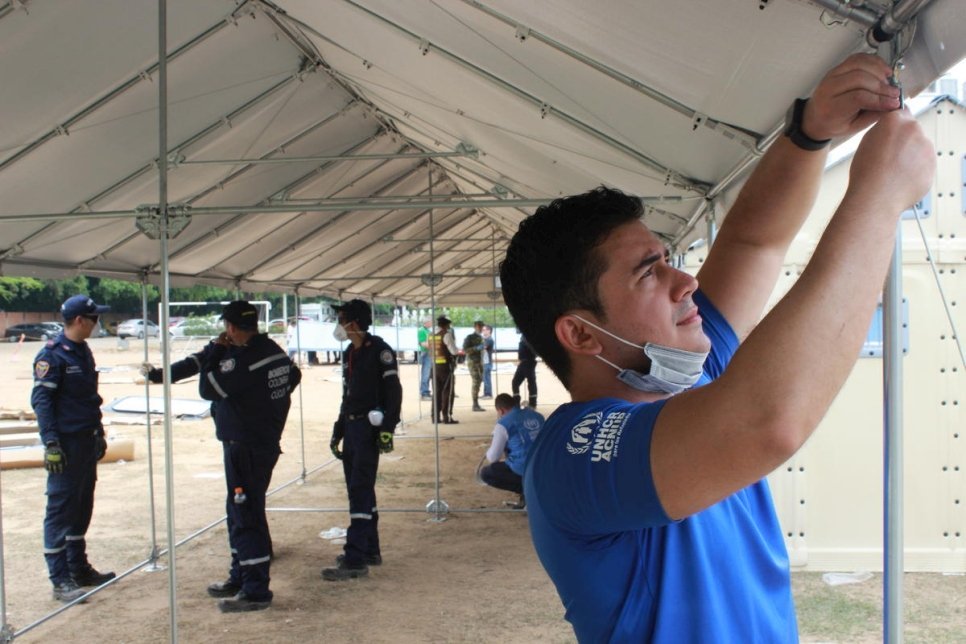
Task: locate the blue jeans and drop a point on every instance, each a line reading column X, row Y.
column 487, row 379
column 425, row 370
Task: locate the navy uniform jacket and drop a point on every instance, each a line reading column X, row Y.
column 249, row 387
column 370, row 380
column 525, row 353
column 65, row 396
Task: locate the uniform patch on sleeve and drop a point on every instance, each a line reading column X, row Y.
column 386, row 356
column 227, row 365
column 41, row 368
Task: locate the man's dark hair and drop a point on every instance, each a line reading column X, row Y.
column 552, row 266
column 504, row 401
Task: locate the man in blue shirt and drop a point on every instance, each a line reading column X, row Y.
column 513, row 435
column 68, row 411
column 646, row 495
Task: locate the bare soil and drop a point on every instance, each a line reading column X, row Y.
column 469, row 575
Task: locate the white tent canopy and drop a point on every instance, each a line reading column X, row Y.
column 411, row 120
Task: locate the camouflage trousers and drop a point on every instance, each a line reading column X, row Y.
column 476, row 377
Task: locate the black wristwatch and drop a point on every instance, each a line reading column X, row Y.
column 793, row 128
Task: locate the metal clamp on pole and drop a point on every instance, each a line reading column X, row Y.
column 148, row 220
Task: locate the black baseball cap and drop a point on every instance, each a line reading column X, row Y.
column 357, row 311
column 241, row 313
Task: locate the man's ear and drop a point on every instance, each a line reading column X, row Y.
column 576, row 336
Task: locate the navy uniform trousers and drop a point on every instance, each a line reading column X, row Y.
column 70, row 503
column 250, row 468
column 360, row 461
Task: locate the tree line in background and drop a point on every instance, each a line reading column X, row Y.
column 36, row 295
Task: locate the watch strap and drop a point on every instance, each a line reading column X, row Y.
column 793, row 128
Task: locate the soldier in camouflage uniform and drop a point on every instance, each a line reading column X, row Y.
column 473, row 348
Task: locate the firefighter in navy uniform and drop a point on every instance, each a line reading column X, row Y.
column 249, row 379
column 68, row 410
column 371, row 402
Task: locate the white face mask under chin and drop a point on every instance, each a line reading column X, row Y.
column 339, row 333
column 672, row 370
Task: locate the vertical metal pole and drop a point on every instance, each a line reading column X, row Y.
column 437, row 502
column 494, row 376
column 165, row 288
column 398, row 319
column 712, row 226
column 153, row 555
column 6, row 632
column 892, row 448
column 298, row 348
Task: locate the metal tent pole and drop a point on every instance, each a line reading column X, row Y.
column 298, row 349
column 437, row 506
column 165, row 288
column 153, row 564
column 494, row 375
column 6, row 631
column 892, row 449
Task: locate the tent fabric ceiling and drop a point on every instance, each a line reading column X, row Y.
column 440, row 101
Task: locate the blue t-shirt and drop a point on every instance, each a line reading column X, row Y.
column 625, row 571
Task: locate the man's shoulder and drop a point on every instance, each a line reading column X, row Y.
column 377, row 342
column 52, row 350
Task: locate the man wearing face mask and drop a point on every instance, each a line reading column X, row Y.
column 371, row 402
column 646, row 495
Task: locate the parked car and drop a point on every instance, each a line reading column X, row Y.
column 138, row 329
column 33, row 331
column 196, row 326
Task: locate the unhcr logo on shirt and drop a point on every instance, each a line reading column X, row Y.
column 606, row 440
column 580, row 434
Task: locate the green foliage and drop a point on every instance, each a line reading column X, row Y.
column 13, row 289
column 46, row 296
column 123, row 296
column 467, row 315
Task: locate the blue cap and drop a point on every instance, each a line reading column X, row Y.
column 81, row 305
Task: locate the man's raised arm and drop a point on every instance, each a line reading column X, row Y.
column 745, row 259
column 712, row 441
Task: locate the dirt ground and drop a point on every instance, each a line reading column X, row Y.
column 472, row 577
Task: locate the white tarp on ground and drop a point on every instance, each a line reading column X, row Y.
column 666, row 100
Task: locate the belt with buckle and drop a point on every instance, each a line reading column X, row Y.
column 357, row 416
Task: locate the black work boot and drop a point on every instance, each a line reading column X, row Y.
column 242, row 603
column 67, row 591
column 343, row 572
column 226, row 588
column 371, row 560
column 90, row 577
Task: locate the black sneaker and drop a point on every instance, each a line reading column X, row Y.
column 478, row 408
column 241, row 603
column 371, row 560
column 226, row 588
column 68, row 591
column 343, row 572
column 90, row 577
